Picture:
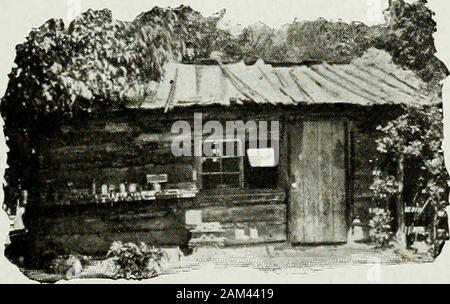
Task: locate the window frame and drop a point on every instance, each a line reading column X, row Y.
column 201, row 159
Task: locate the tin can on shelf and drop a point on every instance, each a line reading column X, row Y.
column 132, row 188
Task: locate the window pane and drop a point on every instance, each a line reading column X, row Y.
column 223, row 170
column 231, row 164
column 262, row 157
column 231, row 180
column 232, row 148
column 212, row 148
column 211, row 181
column 211, row 165
column 260, row 178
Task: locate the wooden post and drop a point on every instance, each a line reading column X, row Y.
column 349, row 173
column 401, row 231
column 435, row 232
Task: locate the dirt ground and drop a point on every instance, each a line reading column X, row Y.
column 289, row 259
column 278, row 259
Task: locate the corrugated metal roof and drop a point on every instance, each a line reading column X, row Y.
column 369, row 80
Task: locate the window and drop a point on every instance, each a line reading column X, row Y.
column 220, row 169
column 251, row 165
column 261, row 167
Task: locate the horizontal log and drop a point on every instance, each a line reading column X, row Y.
column 363, row 196
column 88, row 154
column 362, row 188
column 90, row 137
column 92, row 147
column 85, row 225
column 267, row 233
column 363, row 174
column 144, row 159
column 105, row 153
column 84, row 178
column 240, row 197
column 119, row 211
column 112, row 125
column 269, row 213
column 99, row 244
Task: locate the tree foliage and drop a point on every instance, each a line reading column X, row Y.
column 93, row 65
column 409, row 38
column 415, row 137
column 97, row 61
column 339, row 42
column 380, row 228
column 299, row 41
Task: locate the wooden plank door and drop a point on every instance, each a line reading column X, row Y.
column 317, row 195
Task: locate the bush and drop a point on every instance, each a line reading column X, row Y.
column 414, row 139
column 135, row 261
column 380, row 228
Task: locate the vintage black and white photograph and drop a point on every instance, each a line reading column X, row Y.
column 155, row 139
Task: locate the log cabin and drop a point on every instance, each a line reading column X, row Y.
column 114, row 177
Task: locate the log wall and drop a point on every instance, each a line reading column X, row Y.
column 91, row 229
column 126, row 149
